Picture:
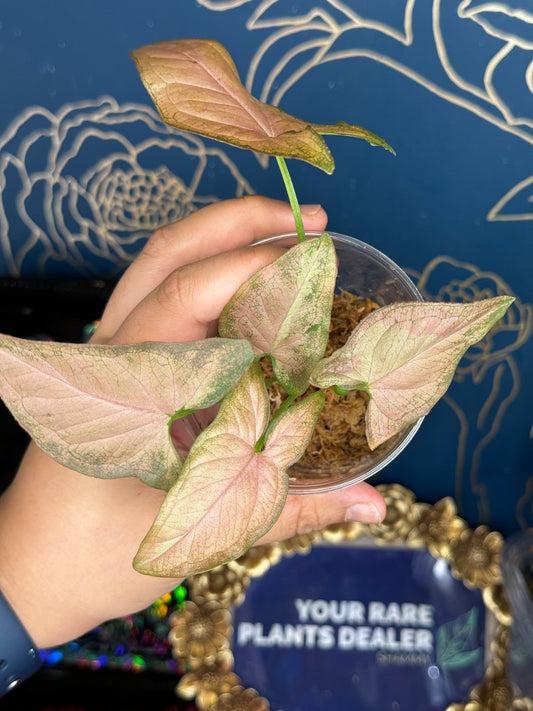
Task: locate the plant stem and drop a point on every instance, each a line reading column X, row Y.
column 292, row 198
column 281, row 409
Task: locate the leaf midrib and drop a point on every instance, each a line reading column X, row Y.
column 225, row 91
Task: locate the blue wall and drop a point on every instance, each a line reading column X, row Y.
column 448, row 84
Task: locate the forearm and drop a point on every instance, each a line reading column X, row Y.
column 66, row 548
column 67, row 543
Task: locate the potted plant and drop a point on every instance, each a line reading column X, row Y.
column 339, row 453
column 402, row 356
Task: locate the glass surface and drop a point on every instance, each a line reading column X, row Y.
column 366, row 272
column 354, row 627
column 517, row 571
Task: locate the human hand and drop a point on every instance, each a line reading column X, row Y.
column 67, row 541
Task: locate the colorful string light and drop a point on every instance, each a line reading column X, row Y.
column 135, row 643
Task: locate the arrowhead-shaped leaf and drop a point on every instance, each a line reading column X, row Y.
column 228, row 494
column 285, row 309
column 195, row 86
column 405, row 356
column 104, row 410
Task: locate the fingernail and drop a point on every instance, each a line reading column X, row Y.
column 364, row 512
column 310, row 210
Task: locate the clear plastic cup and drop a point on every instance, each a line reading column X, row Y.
column 365, row 272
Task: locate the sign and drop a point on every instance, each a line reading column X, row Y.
column 349, row 626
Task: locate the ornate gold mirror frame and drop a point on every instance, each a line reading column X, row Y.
column 201, row 631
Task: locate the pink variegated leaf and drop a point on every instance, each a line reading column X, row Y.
column 195, row 86
column 230, row 491
column 284, row 310
column 105, row 410
column 405, row 356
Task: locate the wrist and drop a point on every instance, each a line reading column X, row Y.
column 19, row 657
column 40, row 555
column 22, row 583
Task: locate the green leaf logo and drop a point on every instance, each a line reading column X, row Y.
column 456, row 640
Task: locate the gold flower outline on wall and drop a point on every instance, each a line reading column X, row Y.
column 87, row 185
column 305, row 39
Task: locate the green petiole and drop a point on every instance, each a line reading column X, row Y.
column 295, row 205
column 281, row 409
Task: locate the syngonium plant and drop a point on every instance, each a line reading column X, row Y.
column 108, row 411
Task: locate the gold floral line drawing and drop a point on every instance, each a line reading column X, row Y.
column 523, row 191
column 331, row 31
column 490, row 367
column 87, row 185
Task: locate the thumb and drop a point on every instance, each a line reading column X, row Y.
column 303, row 514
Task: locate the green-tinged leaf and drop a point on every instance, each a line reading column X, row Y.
column 289, row 434
column 195, row 86
column 346, row 129
column 228, row 495
column 284, row 310
column 405, row 356
column 104, row 410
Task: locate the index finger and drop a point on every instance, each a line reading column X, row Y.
column 217, row 228
column 187, row 304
